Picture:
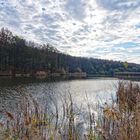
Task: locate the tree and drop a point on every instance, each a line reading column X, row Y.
column 125, row 65
column 18, row 55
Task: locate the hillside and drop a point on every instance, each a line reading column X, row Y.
column 18, row 55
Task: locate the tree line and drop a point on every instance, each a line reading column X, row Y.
column 19, row 55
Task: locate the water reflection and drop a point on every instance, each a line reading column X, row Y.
column 52, row 94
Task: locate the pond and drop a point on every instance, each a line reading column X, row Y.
column 52, row 93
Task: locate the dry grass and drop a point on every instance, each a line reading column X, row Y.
column 31, row 122
column 119, row 121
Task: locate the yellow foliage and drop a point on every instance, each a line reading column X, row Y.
column 111, row 113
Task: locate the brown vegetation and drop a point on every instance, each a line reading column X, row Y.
column 119, row 121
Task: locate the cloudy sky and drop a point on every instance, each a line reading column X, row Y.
column 107, row 29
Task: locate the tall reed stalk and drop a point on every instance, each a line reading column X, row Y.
column 118, row 121
column 121, row 120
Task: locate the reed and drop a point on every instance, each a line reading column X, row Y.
column 118, row 121
column 121, row 120
column 31, row 122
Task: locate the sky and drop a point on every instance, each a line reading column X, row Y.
column 105, row 29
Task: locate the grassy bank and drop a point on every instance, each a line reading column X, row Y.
column 118, row 121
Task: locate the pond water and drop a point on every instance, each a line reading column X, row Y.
column 92, row 90
column 52, row 93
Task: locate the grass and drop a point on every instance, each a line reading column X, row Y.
column 119, row 121
column 31, row 122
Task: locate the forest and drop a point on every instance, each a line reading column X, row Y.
column 19, row 55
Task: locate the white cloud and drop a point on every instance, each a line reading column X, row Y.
column 92, row 28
